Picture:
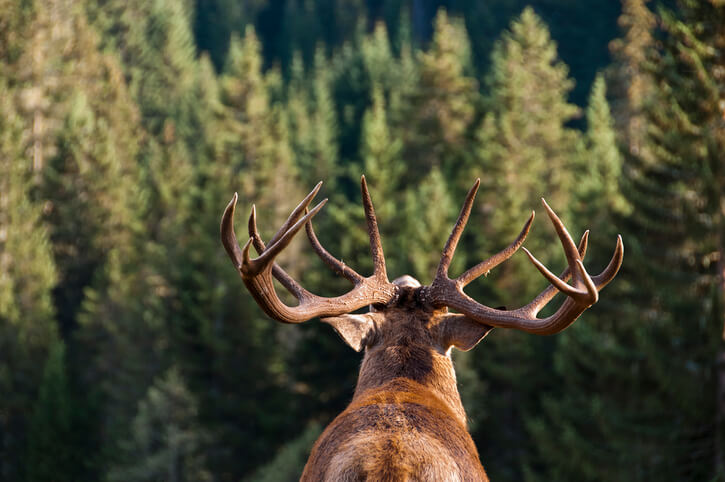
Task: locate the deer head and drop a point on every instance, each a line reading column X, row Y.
column 407, row 337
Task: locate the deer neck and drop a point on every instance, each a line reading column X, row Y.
column 411, row 368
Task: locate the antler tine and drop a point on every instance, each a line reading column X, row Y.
column 376, row 246
column 452, row 243
column 484, row 267
column 603, row 278
column 296, row 213
column 229, row 238
column 553, row 279
column 570, row 249
column 335, row 264
column 254, row 266
column 548, row 294
column 580, row 277
column 282, row 276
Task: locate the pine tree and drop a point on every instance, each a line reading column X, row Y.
column 599, row 167
column 631, row 79
column 289, row 462
column 378, row 57
column 90, row 184
column 51, row 451
column 223, row 346
column 313, row 124
column 384, row 169
column 91, row 196
column 525, row 146
column 573, row 428
column 166, row 441
column 655, row 355
column 677, row 226
column 27, row 276
column 263, row 145
column 442, row 108
column 380, row 150
column 156, row 46
column 525, row 152
column 427, row 219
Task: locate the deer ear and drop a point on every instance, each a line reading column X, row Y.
column 460, row 331
column 357, row 331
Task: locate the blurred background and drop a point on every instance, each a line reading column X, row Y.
column 129, row 347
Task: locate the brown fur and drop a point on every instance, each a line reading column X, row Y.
column 406, row 421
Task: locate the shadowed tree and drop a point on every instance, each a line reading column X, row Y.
column 676, row 189
column 166, row 436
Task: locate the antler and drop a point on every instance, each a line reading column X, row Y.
column 581, row 295
column 257, row 273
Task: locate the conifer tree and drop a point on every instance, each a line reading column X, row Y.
column 525, row 152
column 381, row 151
column 427, row 220
column 222, row 344
column 263, row 142
column 91, row 195
column 158, row 58
column 378, row 57
column 89, row 180
column 289, row 462
column 52, row 453
column 396, row 79
column 443, row 104
column 525, row 145
column 324, row 123
column 157, row 51
column 329, row 385
column 313, row 124
column 383, row 168
column 27, row 276
column 677, row 226
column 655, row 355
column 166, row 437
column 631, row 78
column 597, row 191
column 583, row 408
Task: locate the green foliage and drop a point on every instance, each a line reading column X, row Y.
column 442, row 107
column 27, row 276
column 166, row 437
column 677, row 198
column 631, row 81
column 524, row 146
column 597, row 191
column 53, row 435
column 649, row 362
column 287, row 465
column 128, row 350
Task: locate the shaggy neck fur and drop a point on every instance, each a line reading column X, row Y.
column 405, row 349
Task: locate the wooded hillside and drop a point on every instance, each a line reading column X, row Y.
column 129, row 347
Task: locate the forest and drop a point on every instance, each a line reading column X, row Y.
column 130, row 350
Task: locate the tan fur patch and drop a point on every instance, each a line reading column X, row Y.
column 399, row 432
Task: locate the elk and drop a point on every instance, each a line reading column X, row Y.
column 406, row 421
